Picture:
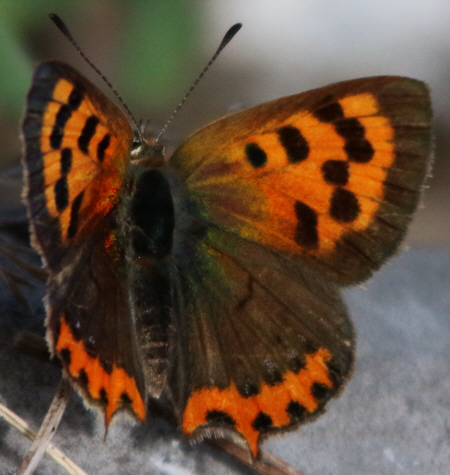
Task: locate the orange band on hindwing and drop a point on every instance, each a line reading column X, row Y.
column 273, row 407
column 112, row 389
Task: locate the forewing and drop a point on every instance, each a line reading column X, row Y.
column 77, row 146
column 331, row 175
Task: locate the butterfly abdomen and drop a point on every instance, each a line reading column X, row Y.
column 147, row 222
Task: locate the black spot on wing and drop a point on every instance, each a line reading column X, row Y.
column 350, row 128
column 75, row 98
column 125, row 399
column 87, row 133
column 255, row 155
column 295, row 410
column 335, row 172
column 359, row 150
column 344, row 206
column 335, row 373
column 102, row 146
column 306, row 234
column 249, row 389
column 295, row 145
column 61, row 193
column 62, row 116
column 73, row 224
column 220, row 417
column 320, row 391
column 329, row 113
column 296, row 363
column 262, row 422
column 66, row 160
column 273, row 375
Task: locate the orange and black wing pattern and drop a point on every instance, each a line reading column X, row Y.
column 232, row 257
column 331, row 175
column 289, row 201
column 77, row 149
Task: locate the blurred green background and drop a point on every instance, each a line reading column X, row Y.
column 153, row 50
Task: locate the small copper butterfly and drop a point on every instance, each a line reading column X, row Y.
column 212, row 280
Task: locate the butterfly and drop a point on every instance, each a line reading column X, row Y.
column 212, row 280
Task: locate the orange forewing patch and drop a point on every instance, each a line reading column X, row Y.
column 87, row 173
column 359, row 105
column 271, row 191
column 272, row 400
column 281, row 188
column 115, row 384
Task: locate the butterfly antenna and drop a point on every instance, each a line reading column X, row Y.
column 226, row 39
column 65, row 31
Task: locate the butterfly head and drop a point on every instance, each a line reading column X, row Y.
column 148, row 152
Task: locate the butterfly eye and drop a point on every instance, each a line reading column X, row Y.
column 135, row 145
column 149, row 153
